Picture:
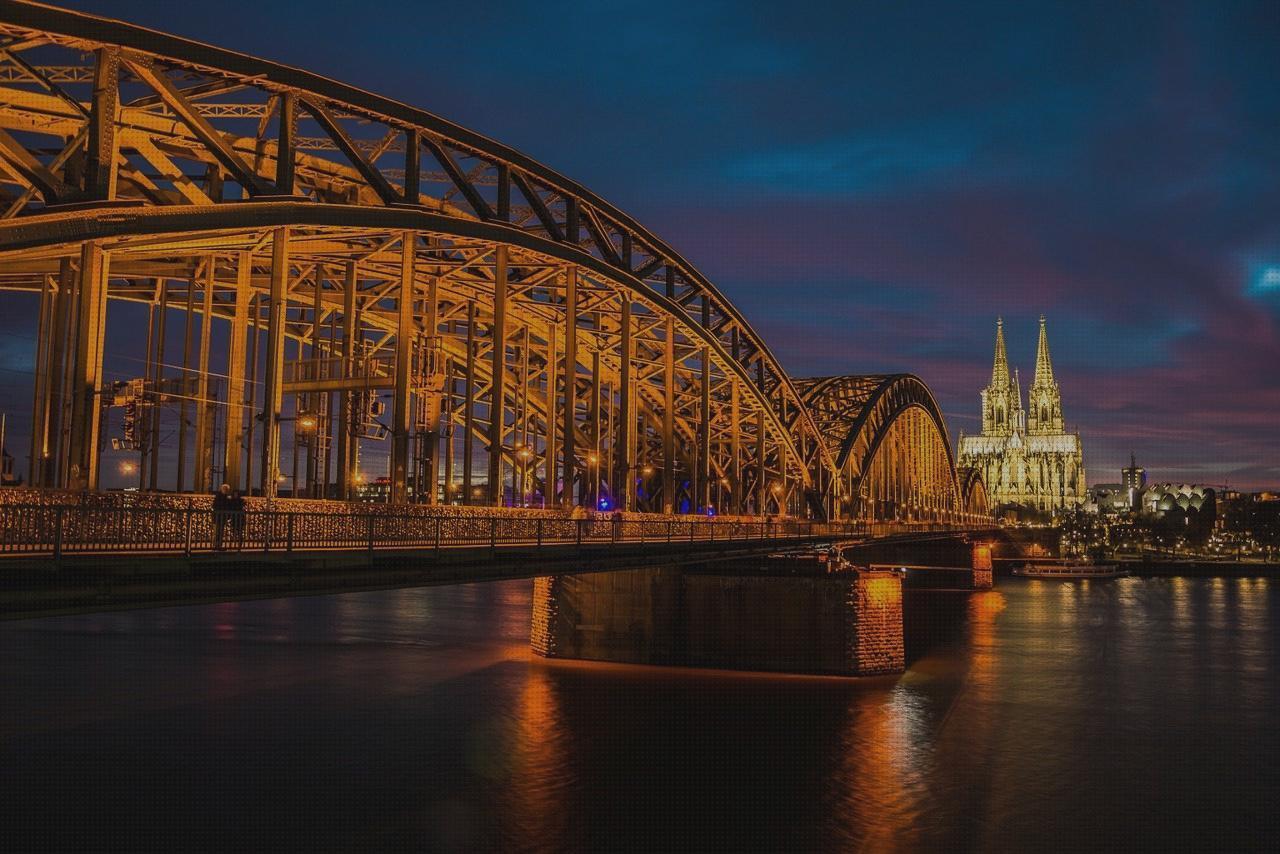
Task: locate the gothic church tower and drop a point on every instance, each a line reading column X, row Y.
column 1001, row 400
column 1044, row 400
column 1025, row 458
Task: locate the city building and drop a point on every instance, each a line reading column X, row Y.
column 1026, row 458
column 1134, row 479
column 1108, row 499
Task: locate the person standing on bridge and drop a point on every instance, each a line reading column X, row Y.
column 221, row 514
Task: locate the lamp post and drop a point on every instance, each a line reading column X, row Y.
column 524, row 456
column 593, row 466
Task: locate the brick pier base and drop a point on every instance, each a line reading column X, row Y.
column 849, row 623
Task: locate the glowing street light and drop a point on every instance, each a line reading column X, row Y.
column 127, row 467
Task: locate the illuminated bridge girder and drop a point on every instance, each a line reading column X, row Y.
column 333, row 269
column 889, row 442
column 347, row 243
column 172, row 145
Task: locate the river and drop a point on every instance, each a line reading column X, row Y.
column 1136, row 713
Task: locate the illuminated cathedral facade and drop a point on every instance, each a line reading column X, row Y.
column 1025, row 457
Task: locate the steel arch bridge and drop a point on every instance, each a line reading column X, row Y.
column 888, row 441
column 350, row 246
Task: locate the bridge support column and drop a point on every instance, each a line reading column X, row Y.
column 982, row 566
column 498, row 377
column 404, row 368
column 549, row 444
column 668, row 419
column 86, row 387
column 625, row 478
column 876, row 638
column 346, row 421
column 849, row 624
column 569, row 452
column 202, row 473
column 703, row 499
column 235, row 445
column 544, row 623
column 273, row 371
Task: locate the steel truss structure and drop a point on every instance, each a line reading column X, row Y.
column 355, row 246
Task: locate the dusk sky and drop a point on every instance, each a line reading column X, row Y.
column 873, row 183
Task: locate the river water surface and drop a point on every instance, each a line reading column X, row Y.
column 1136, row 714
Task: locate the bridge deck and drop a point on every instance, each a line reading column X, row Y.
column 60, row 558
column 31, row 586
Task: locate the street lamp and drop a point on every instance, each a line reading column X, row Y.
column 593, row 461
column 523, row 456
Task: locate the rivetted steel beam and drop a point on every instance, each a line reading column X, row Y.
column 450, row 166
column 435, row 375
column 469, row 405
column 235, row 444
column 704, row 434
column 50, row 229
column 405, row 334
column 273, row 387
column 626, row 476
column 145, row 69
column 204, row 432
column 346, row 439
column 568, row 452
column 549, row 445
column 539, row 208
column 286, row 150
column 100, row 165
column 347, row 146
column 239, row 71
column 498, row 375
column 412, row 165
column 668, row 418
column 86, row 397
column 50, row 187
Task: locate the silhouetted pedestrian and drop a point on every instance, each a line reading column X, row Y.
column 221, row 514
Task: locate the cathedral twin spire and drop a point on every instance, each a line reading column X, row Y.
column 1044, row 367
column 1002, row 399
column 1000, row 370
column 1024, row 456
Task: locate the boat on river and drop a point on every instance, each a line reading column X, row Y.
column 1070, row 569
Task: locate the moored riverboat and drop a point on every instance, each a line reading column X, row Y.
column 1070, row 569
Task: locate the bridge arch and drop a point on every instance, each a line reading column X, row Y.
column 140, row 158
column 350, row 247
column 890, row 445
column 973, row 492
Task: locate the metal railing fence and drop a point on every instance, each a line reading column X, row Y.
column 58, row 530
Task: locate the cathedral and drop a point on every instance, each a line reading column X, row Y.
column 1025, row 458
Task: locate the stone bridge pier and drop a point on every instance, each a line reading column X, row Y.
column 846, row 623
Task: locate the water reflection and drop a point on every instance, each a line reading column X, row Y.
column 418, row 718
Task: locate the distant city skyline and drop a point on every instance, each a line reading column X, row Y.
column 872, row 191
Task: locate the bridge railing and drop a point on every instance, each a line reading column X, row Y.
column 58, row 530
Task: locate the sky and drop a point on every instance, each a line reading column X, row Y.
column 873, row 183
